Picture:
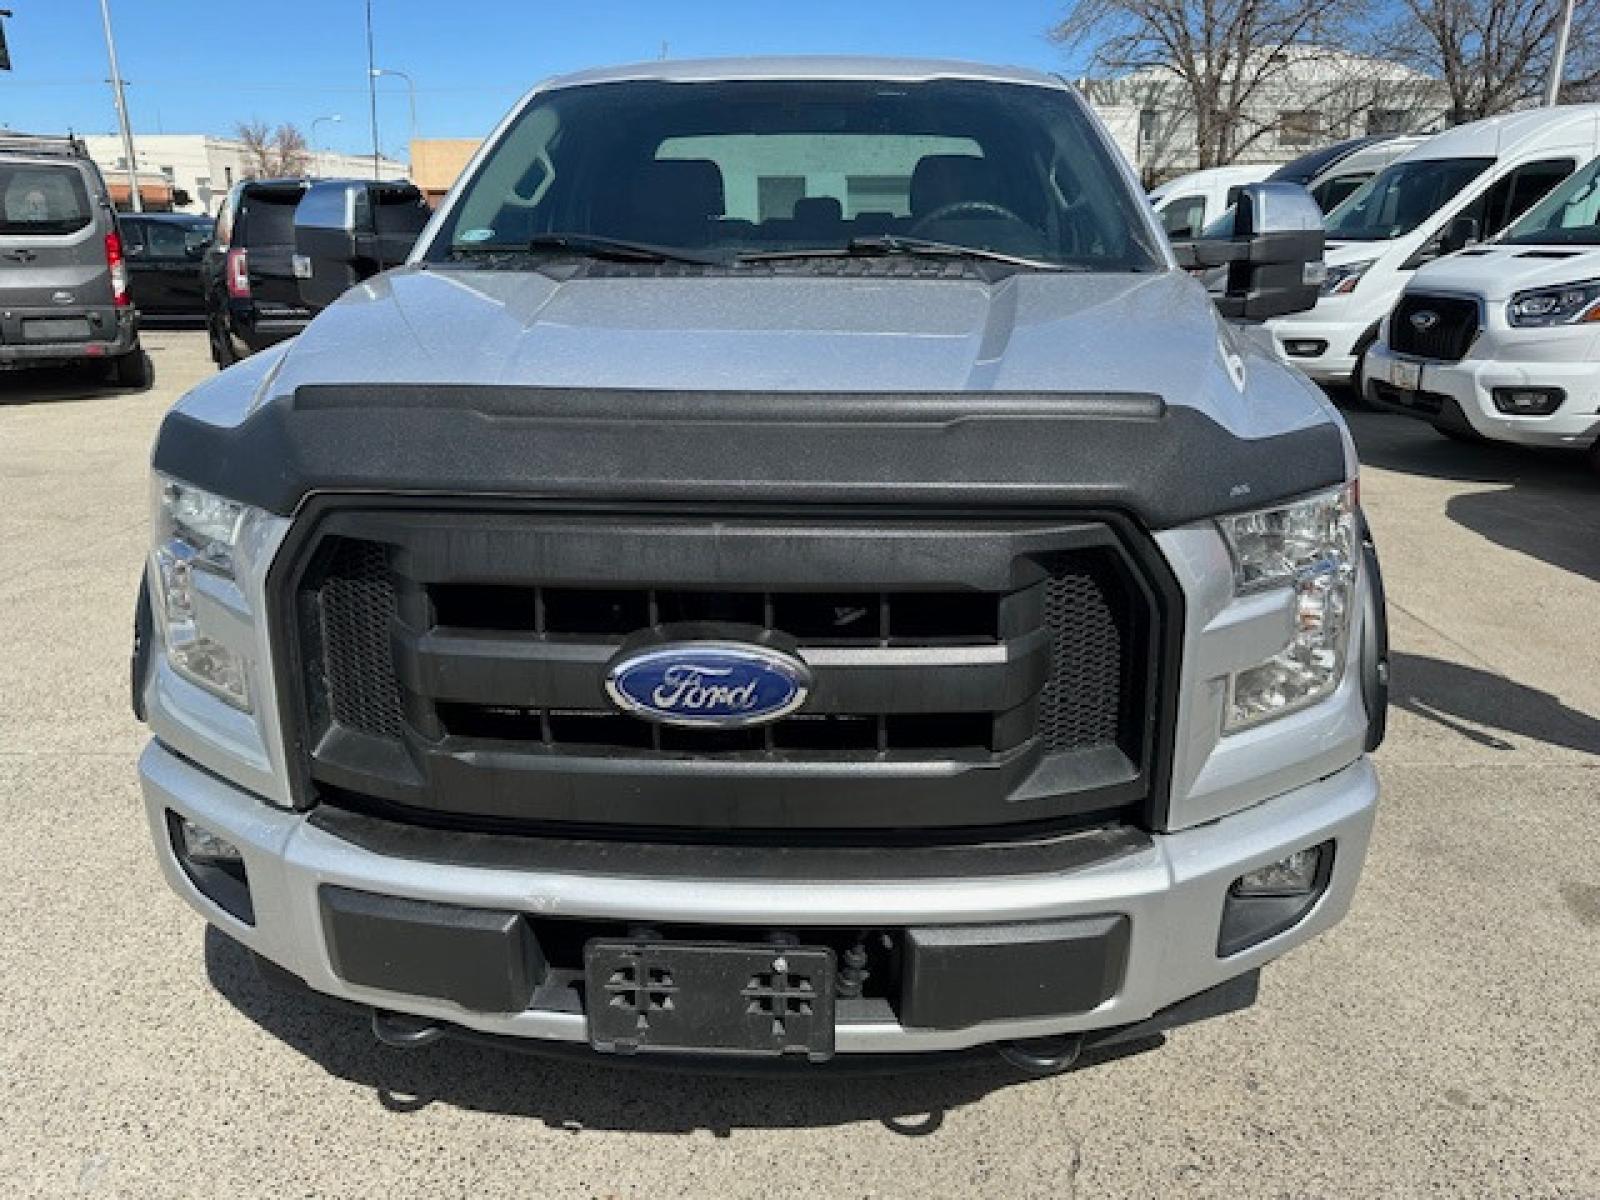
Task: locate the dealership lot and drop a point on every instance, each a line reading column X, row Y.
column 1442, row 1040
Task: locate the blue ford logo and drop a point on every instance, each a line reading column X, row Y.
column 719, row 684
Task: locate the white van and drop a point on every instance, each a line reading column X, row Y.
column 1503, row 341
column 1189, row 203
column 1455, row 189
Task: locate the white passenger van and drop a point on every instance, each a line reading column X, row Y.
column 1503, row 341
column 1457, row 188
column 1189, row 203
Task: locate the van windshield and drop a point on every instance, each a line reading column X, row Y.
column 722, row 171
column 1402, row 197
column 42, row 199
column 1570, row 215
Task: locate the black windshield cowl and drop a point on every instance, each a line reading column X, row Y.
column 588, row 245
column 889, row 243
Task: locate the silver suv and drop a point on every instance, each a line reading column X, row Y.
column 63, row 279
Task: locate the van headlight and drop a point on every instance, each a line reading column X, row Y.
column 196, row 536
column 1570, row 304
column 1308, row 546
column 1342, row 280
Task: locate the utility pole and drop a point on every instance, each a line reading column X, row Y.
column 1558, row 64
column 372, row 92
column 121, row 100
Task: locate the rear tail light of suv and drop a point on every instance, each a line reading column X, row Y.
column 238, row 274
column 119, row 270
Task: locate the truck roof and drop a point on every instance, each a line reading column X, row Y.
column 1517, row 132
column 699, row 70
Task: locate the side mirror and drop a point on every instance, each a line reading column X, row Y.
column 1273, row 258
column 1458, row 235
column 195, row 245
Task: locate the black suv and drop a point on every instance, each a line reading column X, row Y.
column 164, row 252
column 256, row 293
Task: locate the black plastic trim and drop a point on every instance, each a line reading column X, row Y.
column 1375, row 644
column 688, row 859
column 1165, row 464
column 1250, row 920
column 139, row 660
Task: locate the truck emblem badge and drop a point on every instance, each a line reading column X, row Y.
column 63, row 298
column 1424, row 320
column 711, row 684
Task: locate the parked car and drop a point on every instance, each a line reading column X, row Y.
column 1189, row 203
column 679, row 614
column 1453, row 190
column 1503, row 341
column 256, row 292
column 64, row 295
column 164, row 252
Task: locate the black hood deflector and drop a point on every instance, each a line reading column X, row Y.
column 1164, row 464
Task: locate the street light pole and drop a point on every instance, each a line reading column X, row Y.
column 372, row 91
column 411, row 93
column 1558, row 64
column 315, row 152
column 121, row 100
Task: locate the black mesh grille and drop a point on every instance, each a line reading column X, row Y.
column 1082, row 706
column 354, row 606
column 1436, row 327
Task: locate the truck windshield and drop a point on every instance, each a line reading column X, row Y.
column 1570, row 215
column 1402, row 197
column 716, row 172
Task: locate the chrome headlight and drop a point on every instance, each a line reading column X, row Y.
column 1569, row 304
column 1342, row 280
column 1308, row 546
column 196, row 535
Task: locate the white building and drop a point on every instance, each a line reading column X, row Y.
column 1308, row 96
column 203, row 167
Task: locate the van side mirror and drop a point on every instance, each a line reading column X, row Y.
column 1458, row 235
column 1273, row 257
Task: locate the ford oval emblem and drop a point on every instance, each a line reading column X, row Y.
column 722, row 685
column 1424, row 320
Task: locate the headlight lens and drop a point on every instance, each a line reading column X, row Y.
column 1342, row 280
column 1570, row 304
column 1309, row 546
column 196, row 536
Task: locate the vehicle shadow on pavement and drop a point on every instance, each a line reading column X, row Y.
column 1459, row 697
column 62, row 385
column 1549, row 508
column 592, row 1095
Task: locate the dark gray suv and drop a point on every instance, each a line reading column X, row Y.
column 63, row 279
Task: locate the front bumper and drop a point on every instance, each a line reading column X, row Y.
column 1170, row 889
column 1326, row 350
column 1464, row 393
column 118, row 329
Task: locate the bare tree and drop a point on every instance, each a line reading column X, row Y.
column 274, row 153
column 1221, row 54
column 1494, row 55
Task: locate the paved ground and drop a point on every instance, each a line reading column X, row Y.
column 1443, row 1041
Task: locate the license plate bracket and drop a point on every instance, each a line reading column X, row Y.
column 1407, row 376
column 711, row 997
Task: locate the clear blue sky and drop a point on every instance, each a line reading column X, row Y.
column 196, row 67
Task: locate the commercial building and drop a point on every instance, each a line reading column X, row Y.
column 192, row 172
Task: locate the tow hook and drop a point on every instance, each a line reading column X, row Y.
column 1042, row 1056
column 402, row 1032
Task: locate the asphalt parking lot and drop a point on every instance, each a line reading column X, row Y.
column 1444, row 1040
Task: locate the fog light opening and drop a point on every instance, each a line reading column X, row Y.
column 214, row 865
column 1274, row 897
column 1305, row 347
column 1528, row 402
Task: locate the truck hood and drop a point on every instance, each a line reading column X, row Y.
column 1031, row 332
column 1496, row 272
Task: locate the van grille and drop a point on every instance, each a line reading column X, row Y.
column 1453, row 327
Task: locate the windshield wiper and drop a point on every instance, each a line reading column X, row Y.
column 884, row 244
column 593, row 245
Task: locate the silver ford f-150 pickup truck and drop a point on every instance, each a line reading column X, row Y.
column 792, row 567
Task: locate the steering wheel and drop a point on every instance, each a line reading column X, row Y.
column 977, row 208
